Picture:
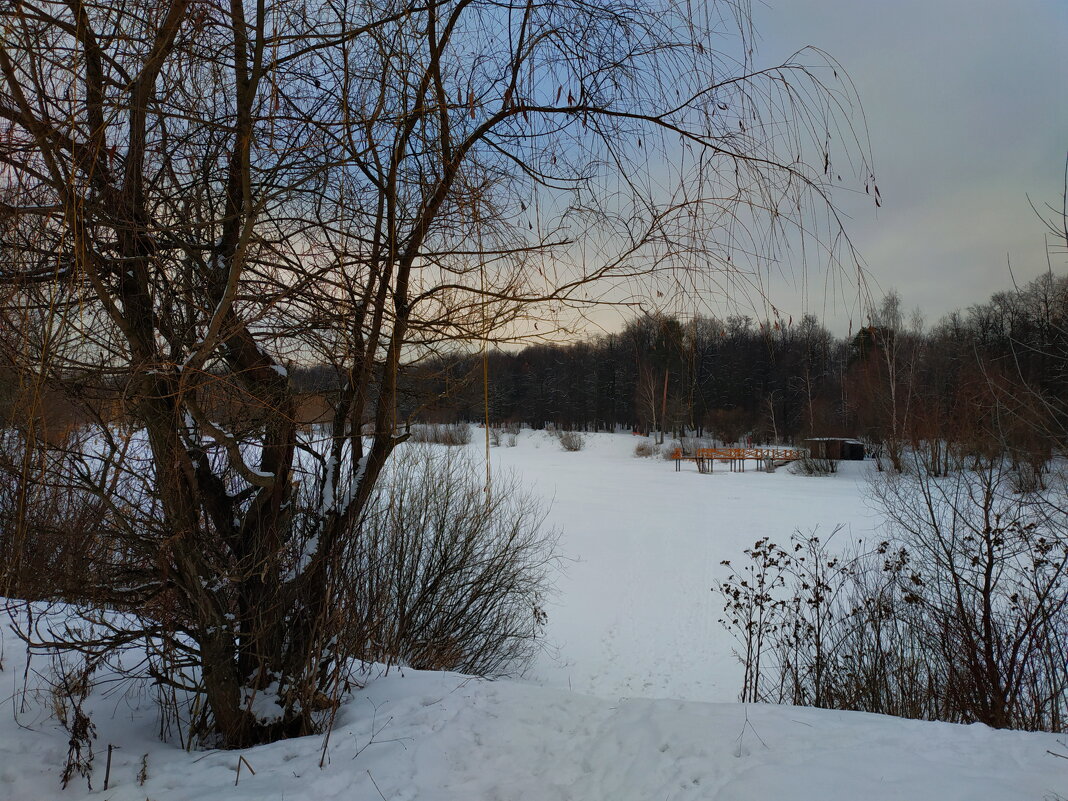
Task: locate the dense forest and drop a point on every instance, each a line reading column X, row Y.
column 997, row 371
column 992, row 376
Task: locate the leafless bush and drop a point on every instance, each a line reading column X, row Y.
column 781, row 607
column 814, row 466
column 645, row 448
column 989, row 569
column 959, row 615
column 667, row 450
column 823, row 629
column 71, row 685
column 443, row 575
column 571, row 440
column 442, row 433
column 51, row 538
column 690, row 445
column 504, row 435
column 1026, row 477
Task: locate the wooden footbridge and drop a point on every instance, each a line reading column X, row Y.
column 705, row 458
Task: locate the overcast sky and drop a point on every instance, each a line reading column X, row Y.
column 967, row 110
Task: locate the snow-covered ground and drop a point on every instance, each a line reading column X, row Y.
column 635, row 615
column 616, row 707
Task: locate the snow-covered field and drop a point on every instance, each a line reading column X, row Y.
column 635, row 615
column 615, row 707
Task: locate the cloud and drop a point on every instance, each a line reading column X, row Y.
column 967, row 110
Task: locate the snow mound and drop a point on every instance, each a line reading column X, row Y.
column 412, row 735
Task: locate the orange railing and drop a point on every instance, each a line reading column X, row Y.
column 706, row 457
column 775, row 454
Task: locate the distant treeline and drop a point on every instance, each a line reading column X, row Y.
column 998, row 371
column 992, row 377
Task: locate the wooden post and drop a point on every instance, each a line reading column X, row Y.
column 663, row 407
column 107, row 768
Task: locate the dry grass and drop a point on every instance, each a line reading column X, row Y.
column 571, row 440
column 441, row 433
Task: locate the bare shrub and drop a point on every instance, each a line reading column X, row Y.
column 1026, row 477
column 442, row 433
column 571, row 440
column 827, row 629
column 645, row 449
column 989, row 569
column 690, row 445
column 667, row 450
column 507, row 434
column 445, row 576
column 51, row 537
column 455, row 434
column 71, row 685
column 437, row 575
column 786, row 607
column 960, row 615
column 814, row 466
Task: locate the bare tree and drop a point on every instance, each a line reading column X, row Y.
column 987, row 566
column 197, row 194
